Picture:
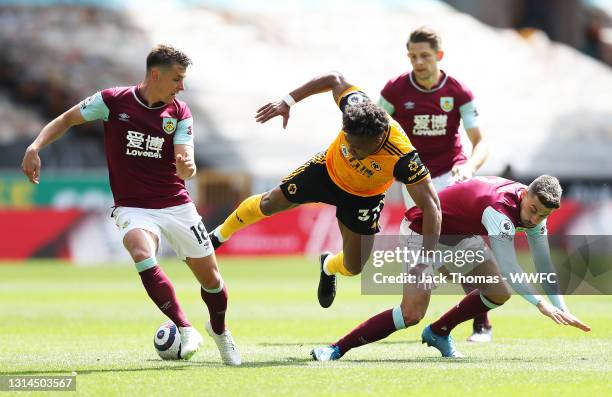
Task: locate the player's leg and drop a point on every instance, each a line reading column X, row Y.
column 185, row 231
column 141, row 239
column 482, row 330
column 487, row 296
column 301, row 186
column 348, row 262
column 412, row 309
column 141, row 233
column 358, row 223
column 355, row 253
column 250, row 211
column 214, row 294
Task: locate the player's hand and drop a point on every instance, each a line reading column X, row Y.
column 272, row 110
column 31, row 165
column 462, row 172
column 561, row 317
column 185, row 166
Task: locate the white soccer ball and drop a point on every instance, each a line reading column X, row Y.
column 167, row 341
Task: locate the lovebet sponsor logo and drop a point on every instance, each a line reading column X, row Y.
column 142, row 145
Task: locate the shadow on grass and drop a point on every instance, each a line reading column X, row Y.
column 314, row 344
column 284, row 362
column 170, row 366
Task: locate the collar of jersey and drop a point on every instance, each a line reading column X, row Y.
column 434, row 88
column 141, row 100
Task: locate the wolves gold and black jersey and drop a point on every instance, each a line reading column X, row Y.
column 396, row 158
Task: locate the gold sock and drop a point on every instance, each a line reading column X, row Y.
column 335, row 264
column 247, row 213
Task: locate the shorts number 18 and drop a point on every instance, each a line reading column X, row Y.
column 200, row 232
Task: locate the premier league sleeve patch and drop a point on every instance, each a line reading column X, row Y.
column 94, row 108
column 169, row 125
column 353, row 98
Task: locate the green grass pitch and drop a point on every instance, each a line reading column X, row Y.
column 98, row 321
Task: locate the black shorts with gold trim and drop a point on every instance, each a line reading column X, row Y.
column 311, row 183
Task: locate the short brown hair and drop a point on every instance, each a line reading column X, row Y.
column 165, row 56
column 548, row 190
column 426, row 35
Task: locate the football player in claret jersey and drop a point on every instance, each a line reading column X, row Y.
column 490, row 206
column 353, row 174
column 148, row 138
column 429, row 105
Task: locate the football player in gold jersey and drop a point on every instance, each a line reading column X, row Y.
column 368, row 154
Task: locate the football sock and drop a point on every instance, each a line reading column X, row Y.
column 247, row 213
column 161, row 291
column 481, row 321
column 376, row 328
column 216, row 301
column 471, row 305
column 335, row 264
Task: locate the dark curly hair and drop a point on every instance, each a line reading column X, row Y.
column 365, row 119
column 165, row 56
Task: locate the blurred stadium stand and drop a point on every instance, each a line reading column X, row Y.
column 545, row 105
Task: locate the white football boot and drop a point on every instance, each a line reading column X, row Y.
column 191, row 340
column 483, row 335
column 227, row 348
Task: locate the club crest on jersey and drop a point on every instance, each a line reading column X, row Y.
column 447, row 103
column 376, row 166
column 169, row 125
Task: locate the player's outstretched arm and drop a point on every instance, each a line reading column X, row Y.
column 537, row 238
column 332, row 81
column 425, row 197
column 51, row 132
column 561, row 317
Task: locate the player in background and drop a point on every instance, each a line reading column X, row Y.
column 353, row 175
column 148, row 136
column 429, row 105
column 490, row 206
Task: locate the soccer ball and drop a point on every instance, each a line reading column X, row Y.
column 167, row 341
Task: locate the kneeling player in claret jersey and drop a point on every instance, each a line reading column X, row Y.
column 483, row 206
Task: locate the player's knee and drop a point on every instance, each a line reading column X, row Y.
column 412, row 316
column 353, row 266
column 498, row 298
column 273, row 201
column 139, row 254
column 211, row 280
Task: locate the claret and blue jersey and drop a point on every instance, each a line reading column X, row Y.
column 139, row 142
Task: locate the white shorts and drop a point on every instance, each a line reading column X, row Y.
column 181, row 226
column 468, row 253
column 440, row 182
